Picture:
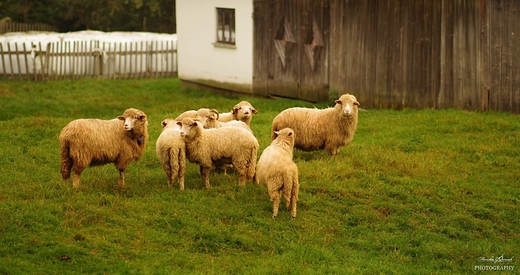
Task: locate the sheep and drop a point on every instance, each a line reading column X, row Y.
column 212, row 121
column 93, row 142
column 208, row 147
column 316, row 129
column 276, row 170
column 198, row 114
column 171, row 151
column 242, row 111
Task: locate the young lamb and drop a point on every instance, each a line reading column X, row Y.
column 242, row 111
column 171, row 151
column 92, row 142
column 317, row 129
column 276, row 170
column 231, row 145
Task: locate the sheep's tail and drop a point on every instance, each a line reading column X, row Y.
column 66, row 160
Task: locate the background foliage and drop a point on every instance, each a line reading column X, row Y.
column 103, row 15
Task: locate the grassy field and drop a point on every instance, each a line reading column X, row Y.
column 417, row 192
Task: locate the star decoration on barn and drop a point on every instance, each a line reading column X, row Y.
column 313, row 49
column 284, row 41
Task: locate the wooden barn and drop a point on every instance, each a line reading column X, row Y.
column 462, row 54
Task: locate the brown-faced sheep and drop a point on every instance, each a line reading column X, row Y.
column 317, row 129
column 171, row 151
column 91, row 142
column 242, row 111
column 231, row 145
column 276, row 170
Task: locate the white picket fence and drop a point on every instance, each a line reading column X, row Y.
column 89, row 58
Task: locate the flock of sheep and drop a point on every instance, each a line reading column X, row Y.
column 212, row 140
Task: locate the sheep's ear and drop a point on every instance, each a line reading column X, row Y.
column 276, row 133
column 235, row 110
column 121, row 118
column 141, row 117
column 356, row 103
column 164, row 123
column 290, row 133
column 255, row 111
column 338, row 101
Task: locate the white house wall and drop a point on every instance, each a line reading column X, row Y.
column 202, row 62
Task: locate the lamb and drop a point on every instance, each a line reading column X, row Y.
column 207, row 147
column 242, row 111
column 316, row 129
column 198, row 114
column 171, row 151
column 92, row 142
column 276, row 170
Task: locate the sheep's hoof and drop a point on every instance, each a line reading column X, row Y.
column 274, row 216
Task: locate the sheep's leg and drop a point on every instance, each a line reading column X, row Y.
column 275, row 198
column 294, row 198
column 77, row 174
column 204, row 173
column 181, row 182
column 75, row 179
column 242, row 179
column 182, row 172
column 121, row 181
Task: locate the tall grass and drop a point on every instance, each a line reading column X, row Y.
column 417, row 192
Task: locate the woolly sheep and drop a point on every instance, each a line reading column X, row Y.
column 207, row 147
column 92, row 142
column 242, row 111
column 316, row 129
column 198, row 114
column 171, row 151
column 276, row 170
column 211, row 121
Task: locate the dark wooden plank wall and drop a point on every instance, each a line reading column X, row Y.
column 398, row 54
column 427, row 54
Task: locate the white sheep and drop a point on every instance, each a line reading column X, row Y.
column 91, row 142
column 198, row 114
column 171, row 151
column 316, row 129
column 230, row 145
column 242, row 111
column 276, row 170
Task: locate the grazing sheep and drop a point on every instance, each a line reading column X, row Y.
column 91, row 142
column 276, row 170
column 242, row 111
column 231, row 145
column 317, row 129
column 171, row 150
column 199, row 114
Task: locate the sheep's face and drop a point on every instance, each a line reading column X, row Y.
column 243, row 110
column 131, row 117
column 188, row 126
column 348, row 104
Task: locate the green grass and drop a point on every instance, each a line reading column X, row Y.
column 417, row 192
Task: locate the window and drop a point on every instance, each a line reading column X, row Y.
column 225, row 26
